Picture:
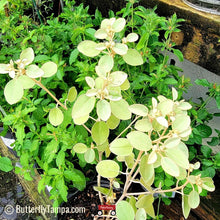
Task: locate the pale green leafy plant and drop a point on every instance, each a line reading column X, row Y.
column 154, row 138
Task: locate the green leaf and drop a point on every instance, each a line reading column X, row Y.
column 146, row 202
column 202, row 82
column 88, row 48
column 60, row 160
column 217, row 99
column 120, row 49
column 172, row 142
column 81, row 120
column 27, row 55
column 33, row 71
column 185, row 206
column 140, row 140
column 3, row 68
column 83, row 106
column 103, row 190
column 77, row 177
column 108, row 168
column 118, row 78
column 53, row 171
column 143, row 40
column 49, row 68
column 72, row 94
column 26, row 82
column 133, row 58
column 132, row 37
column 113, row 122
column 178, row 53
column 204, row 130
column 193, row 199
column 206, row 151
column 169, row 166
column 89, row 155
column 56, row 116
column 120, row 109
column 143, row 125
column 146, row 170
column 121, row 147
column 106, row 62
column 73, row 56
column 208, row 184
column 101, row 34
column 139, row 109
column 13, row 91
column 100, row 132
column 103, row 109
column 178, row 156
column 5, row 164
column 124, row 211
column 140, row 214
column 80, row 148
column 181, row 123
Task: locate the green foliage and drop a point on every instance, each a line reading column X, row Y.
column 125, row 122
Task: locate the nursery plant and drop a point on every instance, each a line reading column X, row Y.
column 152, row 137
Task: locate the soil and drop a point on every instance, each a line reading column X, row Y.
column 13, row 196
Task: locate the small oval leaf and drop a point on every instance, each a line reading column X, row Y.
column 133, row 58
column 56, row 116
column 49, row 68
column 108, row 168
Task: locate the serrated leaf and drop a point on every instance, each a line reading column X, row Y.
column 56, row 116
column 143, row 125
column 108, row 168
column 88, row 48
column 120, row 109
column 5, row 164
column 103, row 110
column 33, row 71
column 13, row 91
column 121, row 147
column 89, row 155
column 124, row 211
column 83, row 106
column 169, row 166
column 146, row 169
column 27, row 55
column 133, row 58
column 139, row 140
column 193, row 199
column 73, row 56
column 72, row 94
column 80, row 148
column 100, row 132
column 139, row 109
column 26, row 81
column 49, row 68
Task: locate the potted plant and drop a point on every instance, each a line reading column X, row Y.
column 150, row 136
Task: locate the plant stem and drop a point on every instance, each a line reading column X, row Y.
column 128, row 178
column 45, row 89
column 128, row 127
